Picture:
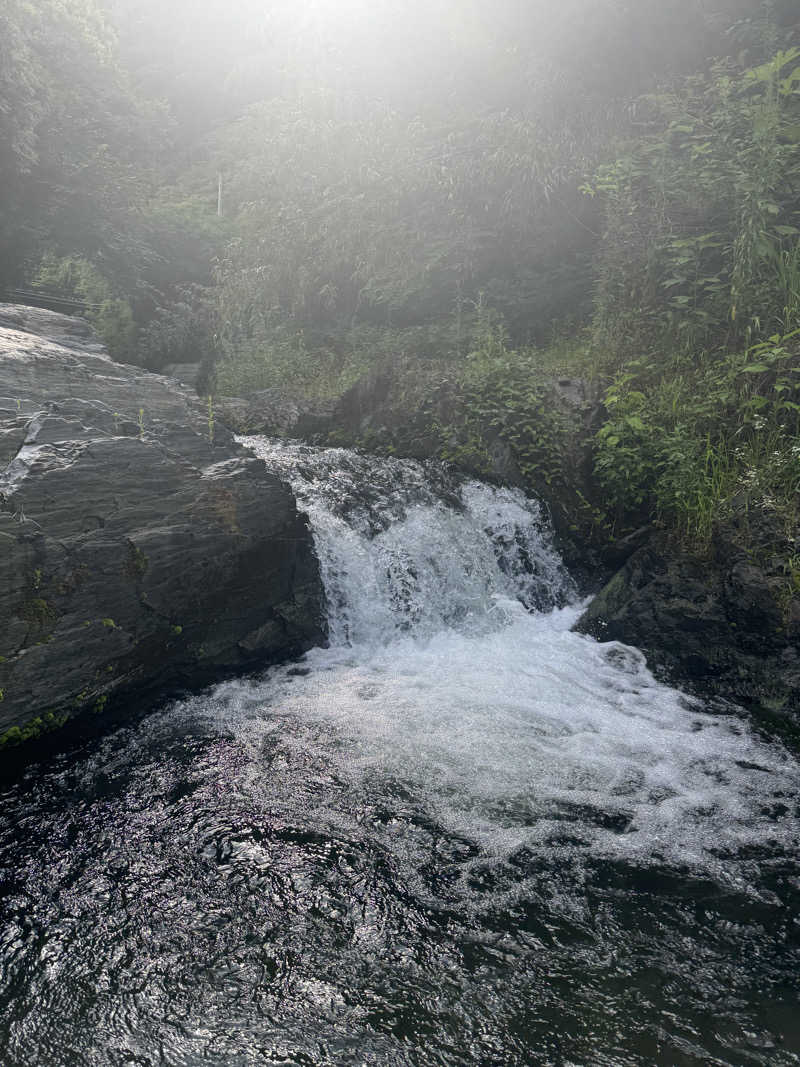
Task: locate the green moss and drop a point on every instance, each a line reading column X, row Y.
column 39, row 613
column 137, row 562
column 109, row 624
column 35, row 728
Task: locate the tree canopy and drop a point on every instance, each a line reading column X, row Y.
column 388, row 167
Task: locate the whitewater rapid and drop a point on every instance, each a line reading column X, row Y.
column 453, row 669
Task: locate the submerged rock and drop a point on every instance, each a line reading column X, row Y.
column 141, row 548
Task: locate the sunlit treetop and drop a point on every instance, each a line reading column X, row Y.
column 213, row 57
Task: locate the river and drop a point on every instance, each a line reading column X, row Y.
column 460, row 834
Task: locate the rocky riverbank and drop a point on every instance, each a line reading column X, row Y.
column 142, row 549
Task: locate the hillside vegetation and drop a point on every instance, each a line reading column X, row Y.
column 482, row 195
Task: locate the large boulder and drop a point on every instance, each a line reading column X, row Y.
column 141, row 548
column 725, row 621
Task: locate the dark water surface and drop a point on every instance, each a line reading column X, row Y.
column 461, row 835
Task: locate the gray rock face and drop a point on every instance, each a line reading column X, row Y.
column 725, row 622
column 275, row 413
column 140, row 547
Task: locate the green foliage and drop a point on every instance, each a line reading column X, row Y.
column 702, row 212
column 374, row 223
column 692, row 440
column 76, row 140
column 112, row 316
column 39, row 613
column 183, row 329
column 267, row 359
column 31, row 731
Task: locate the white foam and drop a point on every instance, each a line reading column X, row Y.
column 510, row 728
column 527, row 736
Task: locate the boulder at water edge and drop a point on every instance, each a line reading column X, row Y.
column 726, row 622
column 141, row 548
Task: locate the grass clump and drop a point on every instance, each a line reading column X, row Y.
column 32, row 730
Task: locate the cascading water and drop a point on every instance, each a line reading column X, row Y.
column 461, row 834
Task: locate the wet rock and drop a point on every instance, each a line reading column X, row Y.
column 724, row 622
column 141, row 549
column 274, row 413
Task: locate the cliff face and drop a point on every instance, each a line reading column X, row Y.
column 141, row 548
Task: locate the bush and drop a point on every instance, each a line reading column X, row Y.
column 687, row 441
column 110, row 314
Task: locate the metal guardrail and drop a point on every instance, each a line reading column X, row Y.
column 51, row 301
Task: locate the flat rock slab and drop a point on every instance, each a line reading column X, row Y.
column 141, row 548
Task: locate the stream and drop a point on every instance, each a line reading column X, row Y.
column 460, row 834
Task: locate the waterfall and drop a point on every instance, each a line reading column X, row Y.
column 404, row 549
column 453, row 668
